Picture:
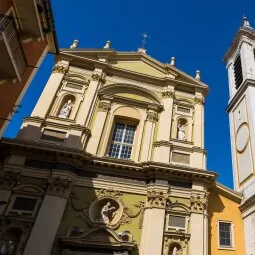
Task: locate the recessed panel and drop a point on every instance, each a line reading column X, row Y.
column 243, row 152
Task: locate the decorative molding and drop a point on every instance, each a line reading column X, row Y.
column 60, row 69
column 162, row 143
column 156, row 199
column 199, row 100
column 152, row 116
column 104, row 106
column 198, row 203
column 178, row 240
column 167, row 94
column 98, row 237
column 59, row 187
column 9, row 179
column 121, row 216
column 98, row 77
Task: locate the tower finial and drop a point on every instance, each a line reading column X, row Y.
column 75, row 44
column 246, row 22
column 198, row 76
column 107, row 45
column 172, row 62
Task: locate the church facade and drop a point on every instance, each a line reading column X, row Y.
column 112, row 161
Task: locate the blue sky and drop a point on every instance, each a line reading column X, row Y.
column 197, row 33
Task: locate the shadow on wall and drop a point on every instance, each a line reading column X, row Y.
column 215, row 205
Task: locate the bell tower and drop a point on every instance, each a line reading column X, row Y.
column 240, row 61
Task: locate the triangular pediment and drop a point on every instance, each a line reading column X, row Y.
column 131, row 62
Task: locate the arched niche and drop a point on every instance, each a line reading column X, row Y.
column 66, row 107
column 114, row 213
column 182, row 129
column 175, row 249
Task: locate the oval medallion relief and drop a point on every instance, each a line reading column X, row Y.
column 242, row 137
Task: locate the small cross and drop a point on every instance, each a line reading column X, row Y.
column 144, row 41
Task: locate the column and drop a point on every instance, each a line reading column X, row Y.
column 49, row 217
column 98, row 127
column 198, row 225
column 148, row 135
column 153, row 223
column 162, row 151
column 45, row 101
column 88, row 104
column 199, row 120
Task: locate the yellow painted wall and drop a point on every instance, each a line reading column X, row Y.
column 220, row 207
column 140, row 67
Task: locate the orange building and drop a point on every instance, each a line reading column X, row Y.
column 27, row 34
column 224, row 212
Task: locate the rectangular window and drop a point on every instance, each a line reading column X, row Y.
column 225, row 234
column 122, row 141
column 24, row 204
column 177, row 222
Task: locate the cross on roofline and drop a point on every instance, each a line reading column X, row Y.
column 144, row 41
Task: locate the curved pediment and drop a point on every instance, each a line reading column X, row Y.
column 29, row 189
column 132, row 92
column 178, row 207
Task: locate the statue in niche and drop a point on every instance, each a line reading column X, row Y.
column 181, row 131
column 175, row 250
column 66, row 109
column 106, row 212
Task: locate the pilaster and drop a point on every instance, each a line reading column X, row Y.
column 87, row 107
column 152, row 117
column 199, row 224
column 153, row 222
column 247, row 59
column 49, row 217
column 103, row 109
column 199, row 120
column 162, row 152
column 45, row 101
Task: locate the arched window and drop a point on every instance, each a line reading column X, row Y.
column 124, row 127
column 238, row 73
column 66, row 106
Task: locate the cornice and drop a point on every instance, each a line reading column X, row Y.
column 250, row 33
column 112, row 166
column 229, row 192
column 247, row 204
column 239, row 93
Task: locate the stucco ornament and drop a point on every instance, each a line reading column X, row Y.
column 198, row 203
column 109, row 210
column 181, row 131
column 65, row 110
column 156, row 199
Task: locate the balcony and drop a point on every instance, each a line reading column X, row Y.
column 12, row 58
column 32, row 18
